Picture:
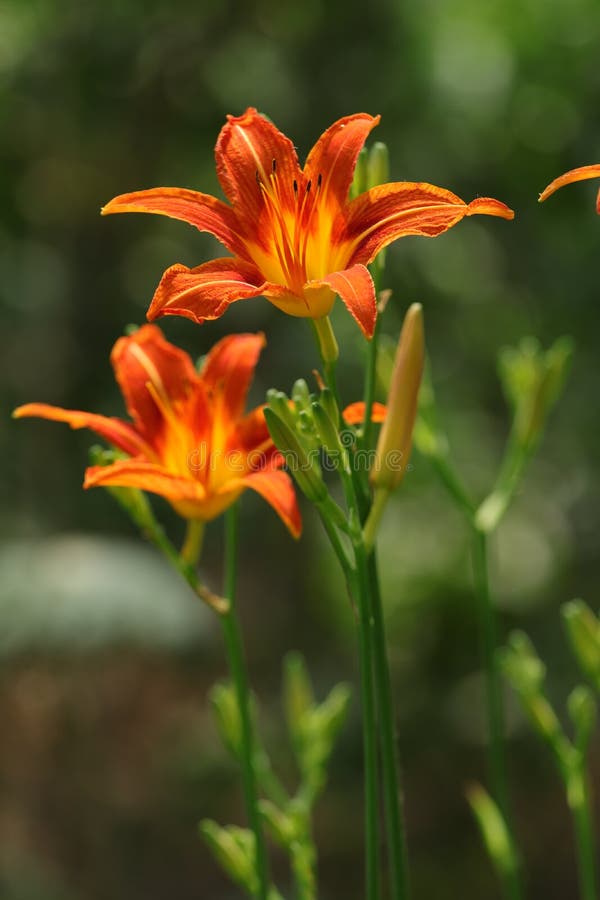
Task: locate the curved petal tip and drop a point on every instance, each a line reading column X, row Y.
column 489, row 207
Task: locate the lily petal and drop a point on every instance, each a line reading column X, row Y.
column 201, row 210
column 580, row 174
column 277, row 489
column 251, row 152
column 252, row 434
column 118, row 433
column 354, row 414
column 228, row 372
column 356, row 289
column 206, row 291
column 145, row 476
column 154, row 377
column 390, row 211
column 335, row 153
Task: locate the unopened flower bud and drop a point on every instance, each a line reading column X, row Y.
column 583, row 629
column 359, row 181
column 395, row 437
column 303, row 464
column 378, row 166
column 328, row 431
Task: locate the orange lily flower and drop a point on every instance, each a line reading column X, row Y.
column 189, row 440
column 580, row 174
column 296, row 238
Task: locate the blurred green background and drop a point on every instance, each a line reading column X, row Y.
column 108, row 757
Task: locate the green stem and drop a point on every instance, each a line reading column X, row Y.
column 339, row 550
column 389, row 758
column 375, row 513
column 495, row 710
column 235, row 656
column 587, row 852
column 453, row 484
column 495, row 505
column 369, row 724
column 371, row 370
column 192, row 545
column 361, row 590
column 156, row 535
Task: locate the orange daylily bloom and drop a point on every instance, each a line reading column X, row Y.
column 580, row 174
column 189, row 440
column 296, row 238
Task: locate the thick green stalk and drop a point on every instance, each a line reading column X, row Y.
column 495, row 709
column 391, row 771
column 235, row 656
column 580, row 802
column 361, row 586
column 375, row 676
column 369, row 726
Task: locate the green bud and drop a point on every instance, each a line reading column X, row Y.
column 298, row 697
column 329, row 404
column 378, row 166
column 521, row 664
column 359, row 181
column 328, row 432
column 280, row 404
column 331, row 714
column 582, row 710
column 308, row 430
column 526, row 672
column 494, row 831
column 583, row 629
column 301, row 395
column 303, row 465
column 532, row 380
column 234, row 849
column 281, row 826
column 227, row 714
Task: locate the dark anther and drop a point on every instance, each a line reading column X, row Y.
column 274, row 166
column 319, row 180
column 257, row 177
column 295, row 186
column 309, row 185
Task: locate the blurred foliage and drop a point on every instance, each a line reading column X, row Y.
column 107, row 761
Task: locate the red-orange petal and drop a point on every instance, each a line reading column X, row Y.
column 146, row 476
column 354, row 414
column 206, row 291
column 356, row 290
column 252, row 434
column 334, row 155
column 228, row 371
column 118, row 433
column 580, row 174
column 146, row 358
column 277, row 489
column 201, row 210
column 390, row 211
column 250, row 150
